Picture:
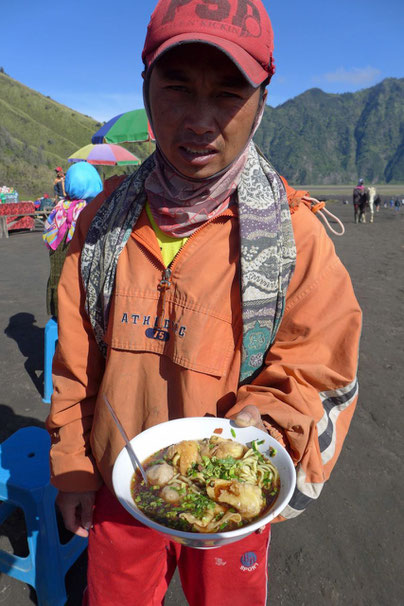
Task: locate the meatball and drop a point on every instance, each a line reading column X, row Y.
column 159, row 474
column 170, row 495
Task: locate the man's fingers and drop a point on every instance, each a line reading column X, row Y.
column 76, row 509
column 249, row 415
column 68, row 511
column 87, row 506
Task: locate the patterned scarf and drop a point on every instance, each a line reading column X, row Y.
column 267, row 253
column 181, row 205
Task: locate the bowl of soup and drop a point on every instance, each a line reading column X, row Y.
column 210, row 482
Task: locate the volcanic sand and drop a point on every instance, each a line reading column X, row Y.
column 345, row 549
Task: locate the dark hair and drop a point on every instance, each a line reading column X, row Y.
column 263, row 87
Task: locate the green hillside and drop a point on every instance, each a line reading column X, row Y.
column 331, row 139
column 315, row 138
column 37, row 134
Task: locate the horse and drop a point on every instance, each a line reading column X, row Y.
column 371, row 194
column 360, row 201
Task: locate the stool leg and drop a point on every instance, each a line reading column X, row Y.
column 51, row 336
column 43, row 541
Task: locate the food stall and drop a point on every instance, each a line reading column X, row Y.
column 17, row 213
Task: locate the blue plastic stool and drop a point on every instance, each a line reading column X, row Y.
column 51, row 337
column 24, row 483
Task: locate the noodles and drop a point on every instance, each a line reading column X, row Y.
column 209, row 485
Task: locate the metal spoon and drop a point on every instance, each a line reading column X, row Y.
column 132, row 455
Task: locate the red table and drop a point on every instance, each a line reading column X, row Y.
column 18, row 208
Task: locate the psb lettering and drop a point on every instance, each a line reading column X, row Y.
column 247, row 16
column 219, row 13
column 248, row 20
column 174, row 4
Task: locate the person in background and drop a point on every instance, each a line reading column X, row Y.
column 397, row 204
column 359, row 202
column 206, row 243
column 59, row 184
column 82, row 184
column 377, row 202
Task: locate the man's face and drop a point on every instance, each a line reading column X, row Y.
column 202, row 109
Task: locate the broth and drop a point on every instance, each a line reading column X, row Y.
column 209, row 485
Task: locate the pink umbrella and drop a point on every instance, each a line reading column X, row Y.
column 105, row 154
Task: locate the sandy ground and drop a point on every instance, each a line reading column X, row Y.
column 346, row 549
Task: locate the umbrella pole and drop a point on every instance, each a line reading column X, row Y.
column 101, row 172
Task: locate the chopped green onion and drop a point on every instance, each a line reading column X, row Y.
column 233, row 433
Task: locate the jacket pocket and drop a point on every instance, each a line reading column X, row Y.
column 192, row 336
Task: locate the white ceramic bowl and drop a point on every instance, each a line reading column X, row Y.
column 196, row 428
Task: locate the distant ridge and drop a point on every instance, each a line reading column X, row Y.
column 325, row 138
column 315, row 138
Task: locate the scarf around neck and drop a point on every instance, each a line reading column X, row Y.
column 267, row 253
column 180, row 205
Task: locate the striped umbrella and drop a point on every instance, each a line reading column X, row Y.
column 129, row 127
column 104, row 154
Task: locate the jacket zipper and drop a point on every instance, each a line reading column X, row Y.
column 163, row 286
column 165, row 283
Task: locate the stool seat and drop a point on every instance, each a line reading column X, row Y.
column 25, row 483
column 24, row 457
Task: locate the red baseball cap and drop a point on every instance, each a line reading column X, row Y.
column 240, row 28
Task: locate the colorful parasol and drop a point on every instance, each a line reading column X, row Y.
column 104, row 154
column 129, row 127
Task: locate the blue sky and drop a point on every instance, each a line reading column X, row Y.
column 86, row 53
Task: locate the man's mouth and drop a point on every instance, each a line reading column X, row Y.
column 199, row 151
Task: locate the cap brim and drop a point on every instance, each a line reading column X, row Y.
column 253, row 71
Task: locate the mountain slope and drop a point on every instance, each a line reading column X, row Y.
column 37, row 134
column 325, row 138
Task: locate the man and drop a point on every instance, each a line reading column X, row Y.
column 59, row 184
column 200, row 285
column 360, row 200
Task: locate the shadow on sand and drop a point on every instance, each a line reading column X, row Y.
column 30, row 340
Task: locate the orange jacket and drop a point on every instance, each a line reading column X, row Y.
column 306, row 392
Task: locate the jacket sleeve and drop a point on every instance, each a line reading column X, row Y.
column 78, row 367
column 308, row 389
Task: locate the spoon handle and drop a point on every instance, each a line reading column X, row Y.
column 133, row 457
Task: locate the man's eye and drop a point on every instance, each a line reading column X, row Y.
column 178, row 87
column 230, row 95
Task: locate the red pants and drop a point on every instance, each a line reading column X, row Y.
column 132, row 565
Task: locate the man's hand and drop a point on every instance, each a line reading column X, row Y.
column 77, row 510
column 249, row 415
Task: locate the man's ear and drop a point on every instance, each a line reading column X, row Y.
column 143, row 74
column 265, row 95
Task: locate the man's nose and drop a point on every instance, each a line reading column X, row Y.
column 200, row 117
